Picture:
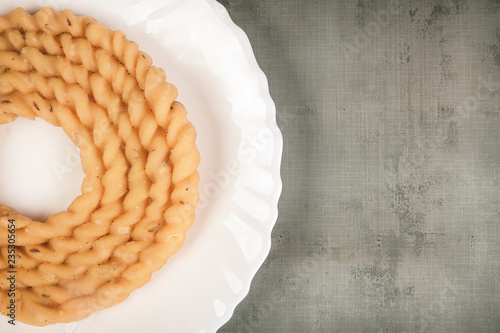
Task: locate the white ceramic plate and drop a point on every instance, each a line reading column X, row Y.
column 211, row 62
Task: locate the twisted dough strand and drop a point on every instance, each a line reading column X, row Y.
column 138, row 154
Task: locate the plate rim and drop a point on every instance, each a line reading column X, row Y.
column 271, row 111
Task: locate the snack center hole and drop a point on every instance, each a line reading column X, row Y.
column 40, row 168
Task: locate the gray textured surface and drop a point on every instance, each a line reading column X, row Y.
column 390, row 214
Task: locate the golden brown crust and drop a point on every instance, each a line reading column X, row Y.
column 138, row 154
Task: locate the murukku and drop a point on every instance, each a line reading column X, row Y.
column 138, row 153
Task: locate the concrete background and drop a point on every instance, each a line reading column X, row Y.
column 390, row 214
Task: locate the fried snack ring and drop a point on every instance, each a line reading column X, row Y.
column 138, row 154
